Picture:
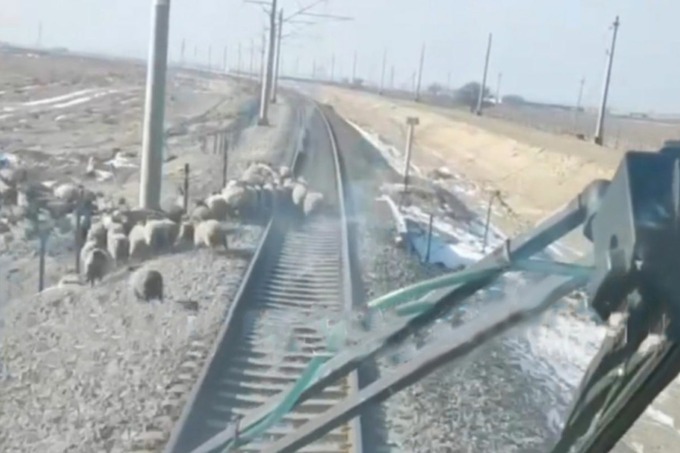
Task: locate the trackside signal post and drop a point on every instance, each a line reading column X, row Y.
column 412, row 122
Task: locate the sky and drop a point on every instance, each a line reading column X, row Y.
column 543, row 48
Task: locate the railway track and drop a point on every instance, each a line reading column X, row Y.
column 299, row 276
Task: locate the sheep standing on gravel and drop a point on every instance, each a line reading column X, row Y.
column 96, row 265
column 299, row 193
column 186, row 233
column 147, row 285
column 119, row 247
column 160, row 234
column 242, row 199
column 137, row 242
column 285, row 172
column 71, row 192
column 218, row 206
column 258, row 173
column 86, row 249
column 115, row 228
column 201, row 212
column 312, row 203
column 210, row 234
column 97, row 234
column 175, row 213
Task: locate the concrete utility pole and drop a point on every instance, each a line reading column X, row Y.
column 152, row 145
column 40, row 34
column 277, row 63
column 269, row 69
column 420, row 73
column 392, row 77
column 579, row 99
column 224, row 59
column 252, row 57
column 382, row 72
column 332, row 77
column 181, row 52
column 412, row 122
column 599, row 131
column 209, row 56
column 498, row 88
column 354, row 68
column 480, row 98
column 238, row 62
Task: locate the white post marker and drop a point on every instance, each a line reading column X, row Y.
column 411, row 121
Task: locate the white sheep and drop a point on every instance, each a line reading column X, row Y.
column 210, row 234
column 97, row 233
column 70, row 192
column 119, row 247
column 147, row 285
column 299, row 192
column 96, row 265
column 115, row 228
column 160, row 234
column 201, row 212
column 186, row 233
column 218, row 206
column 86, row 249
column 312, row 202
column 137, row 240
column 285, row 172
column 175, row 213
column 258, row 173
column 235, row 195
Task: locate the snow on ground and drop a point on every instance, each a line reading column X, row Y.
column 556, row 350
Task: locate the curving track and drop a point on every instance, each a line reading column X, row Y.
column 299, row 276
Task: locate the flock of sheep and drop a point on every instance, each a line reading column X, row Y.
column 115, row 234
column 121, row 235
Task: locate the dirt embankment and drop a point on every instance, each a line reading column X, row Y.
column 535, row 172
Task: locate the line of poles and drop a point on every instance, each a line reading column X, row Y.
column 153, row 123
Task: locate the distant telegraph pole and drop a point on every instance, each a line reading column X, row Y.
column 382, row 72
column 40, row 34
column 579, row 99
column 420, row 72
column 238, row 62
column 354, row 67
column 599, row 131
column 181, row 52
column 224, row 59
column 498, row 88
column 480, row 98
column 154, row 109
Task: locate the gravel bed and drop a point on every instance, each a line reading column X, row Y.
column 88, row 369
column 486, row 403
column 483, row 404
